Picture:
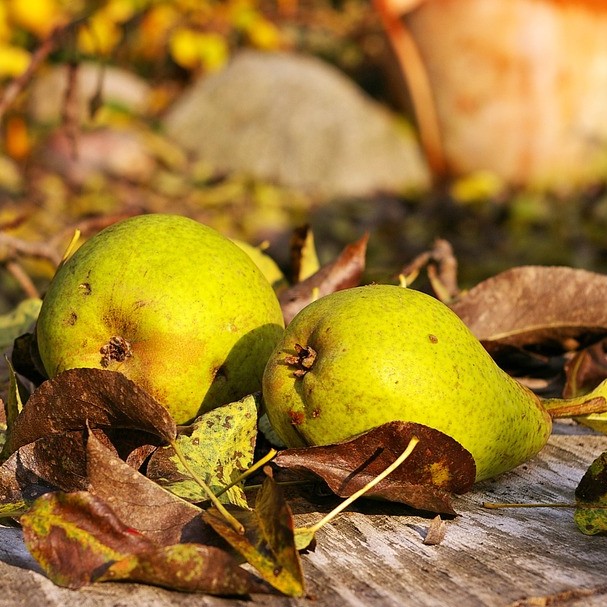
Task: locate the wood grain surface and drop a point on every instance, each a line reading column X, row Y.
column 374, row 555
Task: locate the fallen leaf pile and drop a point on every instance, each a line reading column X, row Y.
column 106, row 487
column 91, row 469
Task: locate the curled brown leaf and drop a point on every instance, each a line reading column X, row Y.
column 96, row 397
column 438, row 467
column 342, row 273
column 531, row 305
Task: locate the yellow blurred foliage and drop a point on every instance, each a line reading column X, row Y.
column 191, row 49
column 13, row 61
column 100, row 35
column 5, row 27
column 154, row 28
column 36, row 16
column 264, row 35
column 476, row 187
column 196, row 34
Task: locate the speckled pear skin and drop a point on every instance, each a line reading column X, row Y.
column 172, row 304
column 384, row 353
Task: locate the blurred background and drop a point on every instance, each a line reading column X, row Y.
column 483, row 122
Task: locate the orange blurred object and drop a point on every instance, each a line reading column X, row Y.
column 515, row 87
column 17, row 140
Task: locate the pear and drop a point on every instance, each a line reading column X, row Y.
column 361, row 357
column 169, row 302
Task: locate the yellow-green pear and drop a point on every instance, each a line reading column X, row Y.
column 170, row 303
column 361, row 357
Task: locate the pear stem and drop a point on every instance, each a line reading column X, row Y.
column 256, row 466
column 395, row 464
column 586, row 404
column 238, row 527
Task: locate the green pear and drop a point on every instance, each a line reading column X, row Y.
column 170, row 303
column 361, row 357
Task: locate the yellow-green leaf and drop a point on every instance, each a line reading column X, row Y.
column 219, row 449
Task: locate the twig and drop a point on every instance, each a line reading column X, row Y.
column 15, row 269
column 69, row 114
column 416, row 76
column 47, row 46
column 42, row 52
column 12, row 247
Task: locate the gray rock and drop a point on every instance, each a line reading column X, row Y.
column 297, row 121
column 119, row 87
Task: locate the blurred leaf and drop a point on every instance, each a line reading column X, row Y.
column 13, row 61
column 535, row 305
column 438, row 467
column 477, row 186
column 591, row 495
column 268, row 543
column 100, row 36
column 586, row 369
column 18, row 321
column 219, row 449
column 304, row 259
column 37, row 16
column 192, row 49
column 342, row 273
column 96, row 397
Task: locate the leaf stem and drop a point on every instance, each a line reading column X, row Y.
column 395, row 464
column 238, row 527
column 256, row 466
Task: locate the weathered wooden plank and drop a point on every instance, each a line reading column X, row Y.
column 374, row 555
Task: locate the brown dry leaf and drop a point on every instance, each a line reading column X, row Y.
column 141, row 503
column 441, row 266
column 268, row 543
column 436, row 532
column 532, row 305
column 96, row 397
column 586, row 370
column 57, row 461
column 188, row 568
column 438, row 466
column 342, row 273
column 78, row 539
column 75, row 535
column 304, row 260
